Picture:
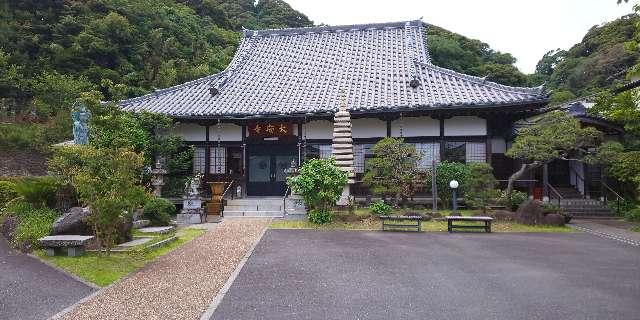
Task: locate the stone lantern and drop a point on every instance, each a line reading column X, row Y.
column 157, row 176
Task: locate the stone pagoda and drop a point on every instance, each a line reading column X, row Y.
column 342, row 148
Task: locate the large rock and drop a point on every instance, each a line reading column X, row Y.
column 530, row 212
column 554, row 219
column 73, row 222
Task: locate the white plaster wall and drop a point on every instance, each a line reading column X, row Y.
column 465, row 126
column 416, row 127
column 318, row 129
column 228, row 132
column 368, row 128
column 498, row 145
column 191, row 131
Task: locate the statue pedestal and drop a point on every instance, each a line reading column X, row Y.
column 294, row 204
column 191, row 212
column 345, row 196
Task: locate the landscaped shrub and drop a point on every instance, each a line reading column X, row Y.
column 7, row 192
column 320, row 184
column 33, row 226
column 380, row 208
column 633, row 214
column 318, row 216
column 445, row 172
column 38, row 191
column 481, row 186
column 393, row 171
column 513, row 202
column 620, row 208
column 159, row 211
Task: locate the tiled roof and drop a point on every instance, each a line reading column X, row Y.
column 304, row 70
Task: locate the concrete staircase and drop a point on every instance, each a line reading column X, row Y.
column 586, row 208
column 254, row 207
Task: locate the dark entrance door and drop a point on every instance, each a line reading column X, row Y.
column 265, row 169
column 559, row 173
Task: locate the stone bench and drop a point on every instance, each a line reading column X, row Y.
column 485, row 220
column 72, row 243
column 410, row 222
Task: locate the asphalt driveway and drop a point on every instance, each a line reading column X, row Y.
column 29, row 289
column 297, row 274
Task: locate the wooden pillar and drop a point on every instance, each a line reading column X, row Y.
column 207, row 153
column 442, row 141
column 388, row 127
column 299, row 143
column 545, row 183
column 244, row 160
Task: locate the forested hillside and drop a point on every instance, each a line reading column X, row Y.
column 52, row 51
column 597, row 62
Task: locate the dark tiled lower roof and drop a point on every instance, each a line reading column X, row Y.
column 304, row 70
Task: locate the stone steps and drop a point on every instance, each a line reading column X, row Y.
column 258, row 207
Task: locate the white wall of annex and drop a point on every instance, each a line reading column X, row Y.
column 465, row 126
column 368, row 128
column 498, row 145
column 191, row 131
column 416, row 127
column 227, row 132
column 318, row 129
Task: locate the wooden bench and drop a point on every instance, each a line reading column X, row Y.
column 72, row 243
column 411, row 222
column 486, row 223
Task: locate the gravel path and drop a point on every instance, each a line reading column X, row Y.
column 181, row 284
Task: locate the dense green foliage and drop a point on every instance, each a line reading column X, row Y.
column 380, row 208
column 320, row 183
column 33, row 223
column 393, row 170
column 40, row 192
column 159, row 211
column 107, row 180
column 7, row 192
column 481, row 185
column 514, row 200
column 597, row 62
column 52, row 51
column 474, row 57
column 445, row 172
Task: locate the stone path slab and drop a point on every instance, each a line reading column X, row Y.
column 157, row 230
column 135, row 242
column 30, row 289
column 181, row 284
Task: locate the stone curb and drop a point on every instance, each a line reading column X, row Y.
column 605, row 235
column 223, row 291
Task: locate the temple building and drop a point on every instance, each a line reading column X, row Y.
column 275, row 103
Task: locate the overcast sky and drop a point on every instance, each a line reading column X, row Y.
column 525, row 28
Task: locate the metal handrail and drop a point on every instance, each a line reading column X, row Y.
column 284, row 200
column 223, row 195
column 618, row 196
column 578, row 176
column 551, row 188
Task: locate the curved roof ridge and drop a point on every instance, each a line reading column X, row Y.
column 482, row 81
column 330, row 28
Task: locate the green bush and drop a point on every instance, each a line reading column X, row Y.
column 34, row 225
column 481, row 186
column 445, row 172
column 18, row 209
column 159, row 211
column 513, row 202
column 320, row 216
column 620, row 208
column 320, row 184
column 633, row 214
column 38, row 191
column 7, row 192
column 380, row 208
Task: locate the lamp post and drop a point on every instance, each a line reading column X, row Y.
column 453, row 184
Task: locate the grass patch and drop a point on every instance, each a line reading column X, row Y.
column 636, row 229
column 368, row 222
column 104, row 270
